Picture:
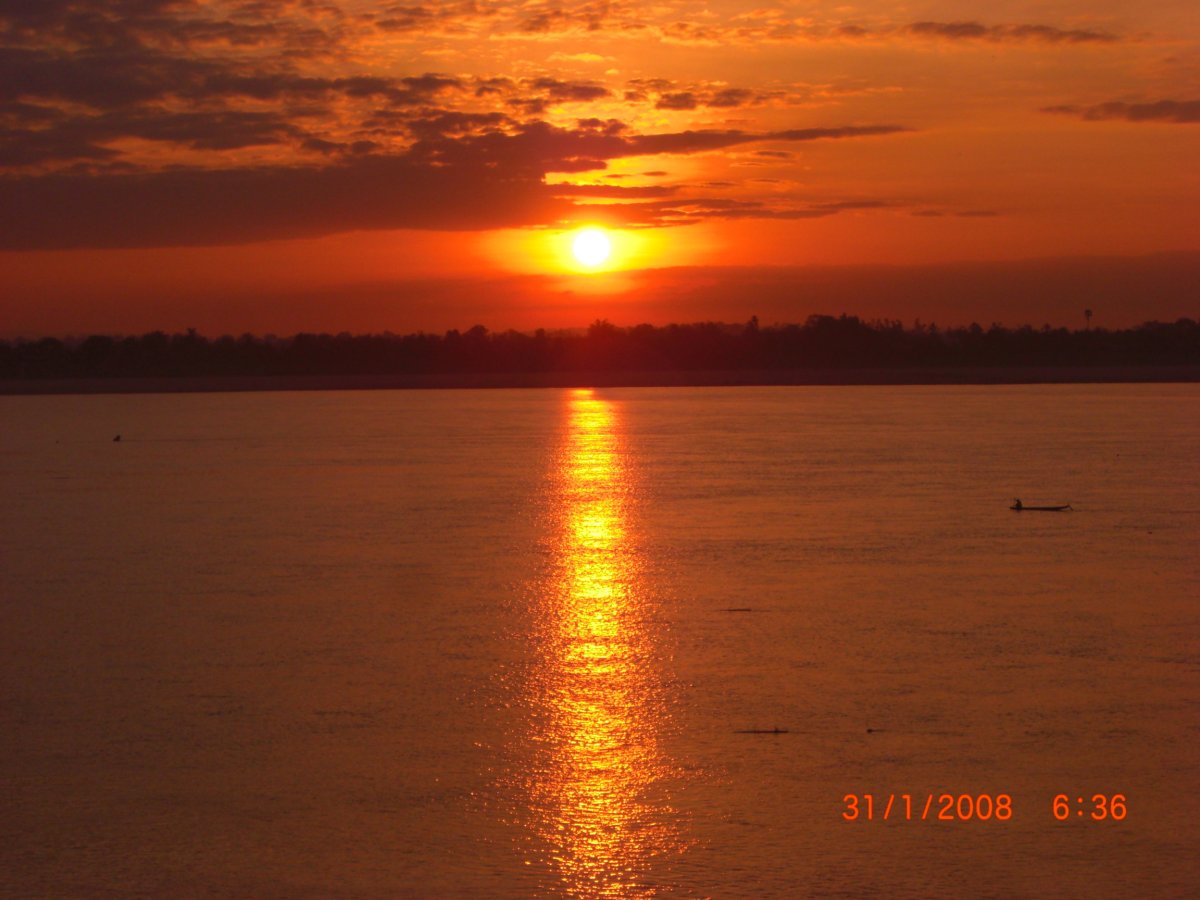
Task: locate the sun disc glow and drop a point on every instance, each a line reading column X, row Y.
column 591, row 247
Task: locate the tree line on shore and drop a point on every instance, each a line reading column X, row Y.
column 839, row 342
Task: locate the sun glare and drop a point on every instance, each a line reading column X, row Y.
column 591, row 247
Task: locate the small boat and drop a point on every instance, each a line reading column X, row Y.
column 762, row 731
column 1018, row 506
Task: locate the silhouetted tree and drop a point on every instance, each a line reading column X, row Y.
column 821, row 342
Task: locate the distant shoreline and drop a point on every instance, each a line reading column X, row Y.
column 720, row 378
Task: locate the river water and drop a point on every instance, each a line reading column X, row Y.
column 510, row 643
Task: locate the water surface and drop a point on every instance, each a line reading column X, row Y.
column 502, row 643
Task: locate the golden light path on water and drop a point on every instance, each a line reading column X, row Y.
column 598, row 791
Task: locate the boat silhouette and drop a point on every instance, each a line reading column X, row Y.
column 1018, row 506
column 762, row 731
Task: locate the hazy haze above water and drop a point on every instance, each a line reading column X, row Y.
column 483, row 643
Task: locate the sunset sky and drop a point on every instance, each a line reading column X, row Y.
column 243, row 165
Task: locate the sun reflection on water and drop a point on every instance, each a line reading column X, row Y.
column 598, row 785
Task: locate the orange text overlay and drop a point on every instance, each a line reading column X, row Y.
column 949, row 807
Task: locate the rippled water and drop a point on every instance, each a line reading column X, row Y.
column 509, row 643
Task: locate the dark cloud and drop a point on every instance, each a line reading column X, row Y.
column 106, row 79
column 840, row 205
column 464, row 175
column 99, row 79
column 977, row 31
column 83, row 137
column 656, row 85
column 116, row 25
column 681, row 32
column 962, row 213
column 27, row 113
column 536, row 95
column 547, row 21
column 408, row 18
column 433, row 18
column 314, row 28
column 955, row 30
column 24, row 148
column 130, row 89
column 497, row 86
column 569, row 91
column 41, row 14
column 604, row 126
column 340, row 148
column 730, row 97
column 532, row 106
column 672, row 95
column 205, row 207
column 224, row 130
column 533, row 149
column 446, row 123
column 697, row 141
column 122, row 123
column 538, row 147
column 1176, row 111
column 686, row 211
column 610, row 190
column 555, row 17
column 775, row 26
column 188, row 33
column 681, row 100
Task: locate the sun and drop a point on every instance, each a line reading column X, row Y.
column 591, row 247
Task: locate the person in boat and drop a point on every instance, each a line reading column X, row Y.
column 1017, row 503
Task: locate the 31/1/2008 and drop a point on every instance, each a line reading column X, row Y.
column 949, row 808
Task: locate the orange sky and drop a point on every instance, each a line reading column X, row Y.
column 335, row 164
